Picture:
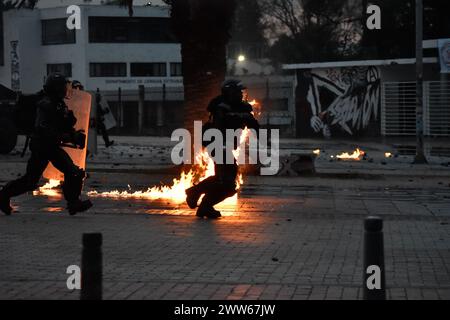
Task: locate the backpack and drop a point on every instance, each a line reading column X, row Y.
column 24, row 112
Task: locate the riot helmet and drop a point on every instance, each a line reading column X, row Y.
column 232, row 90
column 56, row 86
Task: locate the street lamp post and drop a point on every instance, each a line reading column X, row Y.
column 420, row 154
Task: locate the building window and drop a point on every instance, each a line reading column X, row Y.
column 176, row 70
column 108, row 70
column 55, row 31
column 130, row 30
column 61, row 68
column 148, row 70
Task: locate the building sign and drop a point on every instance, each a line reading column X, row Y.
column 15, row 66
column 144, row 81
column 444, row 55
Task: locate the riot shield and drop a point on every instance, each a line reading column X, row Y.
column 80, row 103
column 110, row 121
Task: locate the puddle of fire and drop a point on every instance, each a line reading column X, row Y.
column 357, row 155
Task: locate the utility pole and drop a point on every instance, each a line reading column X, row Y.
column 420, row 154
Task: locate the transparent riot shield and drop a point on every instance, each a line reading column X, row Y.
column 80, row 103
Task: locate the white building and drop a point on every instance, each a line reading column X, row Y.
column 109, row 51
column 118, row 54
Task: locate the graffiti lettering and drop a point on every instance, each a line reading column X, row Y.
column 354, row 103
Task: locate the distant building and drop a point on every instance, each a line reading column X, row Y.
column 118, row 54
column 109, row 51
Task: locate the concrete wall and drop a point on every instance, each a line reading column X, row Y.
column 346, row 102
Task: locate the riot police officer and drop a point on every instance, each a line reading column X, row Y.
column 228, row 111
column 54, row 126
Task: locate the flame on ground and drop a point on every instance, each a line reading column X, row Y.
column 49, row 189
column 357, row 155
column 176, row 193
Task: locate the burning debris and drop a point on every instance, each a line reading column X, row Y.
column 355, row 156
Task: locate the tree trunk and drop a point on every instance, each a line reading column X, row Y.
column 202, row 27
column 204, row 68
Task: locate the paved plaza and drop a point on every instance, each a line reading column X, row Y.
column 288, row 238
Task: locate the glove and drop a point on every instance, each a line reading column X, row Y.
column 79, row 139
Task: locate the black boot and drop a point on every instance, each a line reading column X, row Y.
column 192, row 197
column 79, row 206
column 208, row 212
column 5, row 205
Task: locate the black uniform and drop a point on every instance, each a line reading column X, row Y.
column 54, row 126
column 222, row 185
column 101, row 128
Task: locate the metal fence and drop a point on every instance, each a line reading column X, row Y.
column 437, row 109
column 398, row 107
column 159, row 110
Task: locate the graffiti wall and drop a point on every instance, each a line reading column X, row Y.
column 339, row 102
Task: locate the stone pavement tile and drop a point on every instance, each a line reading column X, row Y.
column 444, row 294
column 334, row 293
column 280, row 249
column 239, row 292
column 128, row 291
column 350, row 293
column 318, row 293
column 414, row 294
column 430, row 294
column 223, row 292
column 286, row 292
column 270, row 292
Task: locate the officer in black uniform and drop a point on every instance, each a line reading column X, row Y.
column 228, row 111
column 101, row 128
column 54, row 126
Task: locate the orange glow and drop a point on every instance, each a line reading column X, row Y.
column 257, row 108
column 357, row 155
column 49, row 189
column 176, row 192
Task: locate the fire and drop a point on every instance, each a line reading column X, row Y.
column 49, row 189
column 317, row 152
column 388, row 155
column 355, row 156
column 257, row 109
column 176, row 192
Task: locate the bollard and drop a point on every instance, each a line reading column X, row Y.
column 91, row 267
column 374, row 286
